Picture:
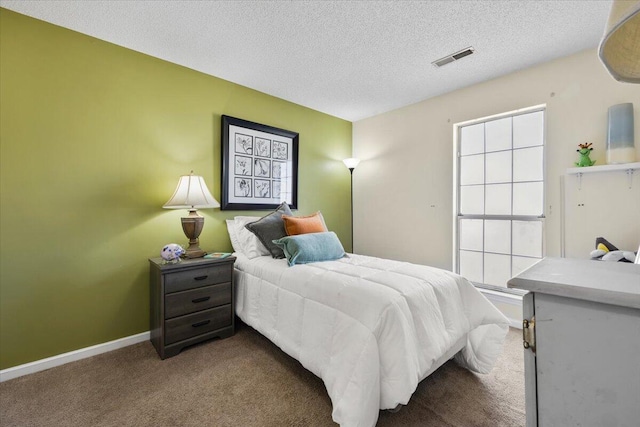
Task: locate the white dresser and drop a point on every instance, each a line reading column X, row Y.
column 582, row 327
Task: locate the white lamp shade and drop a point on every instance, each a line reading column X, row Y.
column 620, row 47
column 351, row 162
column 191, row 193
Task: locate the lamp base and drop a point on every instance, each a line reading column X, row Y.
column 192, row 226
column 194, row 252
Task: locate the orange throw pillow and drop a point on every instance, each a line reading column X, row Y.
column 294, row 225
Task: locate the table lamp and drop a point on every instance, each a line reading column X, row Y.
column 192, row 194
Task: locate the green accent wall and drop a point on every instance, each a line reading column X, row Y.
column 93, row 138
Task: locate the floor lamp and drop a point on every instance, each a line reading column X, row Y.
column 351, row 163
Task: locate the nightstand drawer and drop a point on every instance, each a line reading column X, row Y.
column 184, row 302
column 195, row 278
column 188, row 326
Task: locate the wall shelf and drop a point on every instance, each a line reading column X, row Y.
column 604, row 168
column 628, row 168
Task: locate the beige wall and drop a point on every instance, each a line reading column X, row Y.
column 403, row 188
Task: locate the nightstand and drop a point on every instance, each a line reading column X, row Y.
column 191, row 301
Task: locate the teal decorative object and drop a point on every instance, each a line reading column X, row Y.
column 585, row 150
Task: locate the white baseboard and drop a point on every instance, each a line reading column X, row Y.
column 72, row 356
column 504, row 298
column 515, row 323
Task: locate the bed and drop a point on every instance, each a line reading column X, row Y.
column 370, row 328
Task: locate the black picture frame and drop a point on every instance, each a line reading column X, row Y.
column 252, row 154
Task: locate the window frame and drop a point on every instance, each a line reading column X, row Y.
column 457, row 217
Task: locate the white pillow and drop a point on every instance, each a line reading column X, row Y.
column 233, row 235
column 249, row 243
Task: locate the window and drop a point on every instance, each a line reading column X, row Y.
column 500, row 196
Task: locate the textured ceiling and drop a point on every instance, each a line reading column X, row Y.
column 350, row 59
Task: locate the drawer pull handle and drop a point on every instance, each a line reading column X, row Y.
column 200, row 277
column 203, row 299
column 204, row 322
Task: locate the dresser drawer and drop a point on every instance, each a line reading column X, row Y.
column 185, row 302
column 195, row 278
column 188, row 326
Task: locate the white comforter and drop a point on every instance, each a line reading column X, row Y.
column 370, row 328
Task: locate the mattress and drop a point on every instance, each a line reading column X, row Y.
column 370, row 328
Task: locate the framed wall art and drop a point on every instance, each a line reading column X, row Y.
column 259, row 166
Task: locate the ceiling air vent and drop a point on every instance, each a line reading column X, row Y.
column 454, row 57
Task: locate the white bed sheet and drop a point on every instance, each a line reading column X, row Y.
column 371, row 328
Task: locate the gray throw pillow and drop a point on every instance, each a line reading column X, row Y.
column 270, row 228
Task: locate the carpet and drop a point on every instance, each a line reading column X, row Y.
column 244, row 380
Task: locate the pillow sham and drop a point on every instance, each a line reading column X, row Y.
column 294, row 225
column 250, row 245
column 271, row 227
column 233, row 235
column 311, row 247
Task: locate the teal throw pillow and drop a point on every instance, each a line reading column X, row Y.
column 311, row 247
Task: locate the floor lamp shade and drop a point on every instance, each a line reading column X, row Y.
column 192, row 194
column 620, row 46
column 351, row 163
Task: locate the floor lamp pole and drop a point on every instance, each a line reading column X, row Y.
column 351, row 165
column 351, row 172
